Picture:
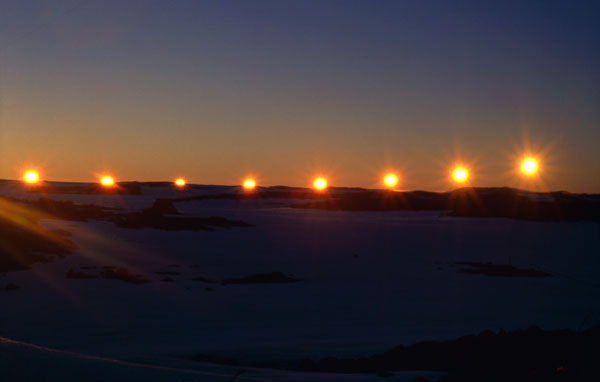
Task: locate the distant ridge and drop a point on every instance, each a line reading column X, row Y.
column 472, row 202
column 463, row 202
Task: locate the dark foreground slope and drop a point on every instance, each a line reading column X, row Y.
column 523, row 355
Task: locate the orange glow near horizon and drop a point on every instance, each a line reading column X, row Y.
column 529, row 166
column 460, row 174
column 390, row 180
column 31, row 177
column 249, row 184
column 320, row 184
column 180, row 182
column 107, row 181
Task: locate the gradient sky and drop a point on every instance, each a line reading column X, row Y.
column 214, row 90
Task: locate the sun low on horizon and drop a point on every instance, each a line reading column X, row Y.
column 249, row 184
column 125, row 86
column 107, row 181
column 460, row 174
column 390, row 180
column 31, row 177
column 299, row 190
column 320, row 184
column 528, row 169
column 529, row 166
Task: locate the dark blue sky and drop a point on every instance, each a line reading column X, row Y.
column 212, row 91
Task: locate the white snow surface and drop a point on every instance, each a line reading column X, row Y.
column 369, row 281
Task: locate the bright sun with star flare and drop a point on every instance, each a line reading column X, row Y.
column 460, row 174
column 529, row 166
column 180, row 182
column 31, row 177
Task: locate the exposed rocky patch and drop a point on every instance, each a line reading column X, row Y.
column 261, row 278
column 109, row 273
column 279, row 193
column 168, row 273
column 68, row 210
column 73, row 274
column 10, row 287
column 123, row 188
column 123, row 274
column 204, row 279
column 149, row 219
column 505, row 270
column 163, row 206
column 162, row 215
